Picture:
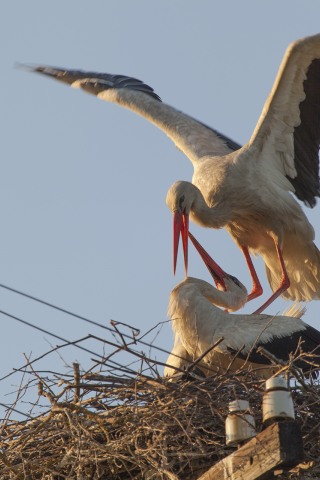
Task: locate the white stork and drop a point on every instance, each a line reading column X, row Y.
column 245, row 189
column 198, row 323
column 180, row 358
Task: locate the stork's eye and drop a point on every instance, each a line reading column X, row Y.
column 235, row 280
column 181, row 200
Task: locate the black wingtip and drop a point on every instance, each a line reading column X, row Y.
column 92, row 82
column 34, row 68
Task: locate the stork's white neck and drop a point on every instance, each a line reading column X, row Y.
column 205, row 216
column 192, row 293
column 233, row 299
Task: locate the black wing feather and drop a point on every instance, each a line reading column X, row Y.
column 282, row 347
column 97, row 82
column 307, row 140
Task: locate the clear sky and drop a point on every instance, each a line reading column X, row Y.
column 84, row 222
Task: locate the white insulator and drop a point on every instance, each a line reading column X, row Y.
column 239, row 426
column 277, row 401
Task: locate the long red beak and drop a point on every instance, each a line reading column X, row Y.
column 180, row 224
column 216, row 272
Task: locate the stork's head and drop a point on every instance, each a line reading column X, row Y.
column 236, row 292
column 180, row 198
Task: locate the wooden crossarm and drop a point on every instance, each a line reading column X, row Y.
column 279, row 446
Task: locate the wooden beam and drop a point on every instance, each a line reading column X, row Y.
column 279, row 446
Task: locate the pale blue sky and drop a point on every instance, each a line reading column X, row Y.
column 84, row 223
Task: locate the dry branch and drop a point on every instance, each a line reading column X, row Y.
column 141, row 426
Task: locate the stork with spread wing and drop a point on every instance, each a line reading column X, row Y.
column 245, row 189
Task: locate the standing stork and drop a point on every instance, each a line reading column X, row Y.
column 245, row 189
column 198, row 323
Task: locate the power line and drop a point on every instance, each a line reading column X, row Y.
column 128, row 370
column 80, row 317
column 15, row 410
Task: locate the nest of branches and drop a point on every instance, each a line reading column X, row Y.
column 122, row 423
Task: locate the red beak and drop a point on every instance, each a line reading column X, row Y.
column 180, row 224
column 216, row 272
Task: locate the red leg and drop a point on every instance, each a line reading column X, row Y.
column 257, row 289
column 284, row 284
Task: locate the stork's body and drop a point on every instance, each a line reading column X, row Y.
column 180, row 359
column 259, row 216
column 198, row 323
column 246, row 190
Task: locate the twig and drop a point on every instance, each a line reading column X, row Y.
column 234, row 358
column 133, row 425
column 76, row 370
column 189, row 367
column 278, row 361
column 119, row 333
column 248, row 356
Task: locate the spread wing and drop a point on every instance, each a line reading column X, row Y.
column 285, row 143
column 193, row 138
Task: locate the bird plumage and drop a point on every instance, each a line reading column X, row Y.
column 198, row 323
column 246, row 189
column 180, row 359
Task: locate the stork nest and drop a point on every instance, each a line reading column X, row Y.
column 118, row 423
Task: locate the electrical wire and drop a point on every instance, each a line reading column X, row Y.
column 80, row 317
column 128, row 370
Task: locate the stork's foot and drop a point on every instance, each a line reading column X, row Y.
column 256, row 292
column 284, row 285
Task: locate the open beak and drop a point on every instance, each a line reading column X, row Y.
column 216, row 272
column 180, row 224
